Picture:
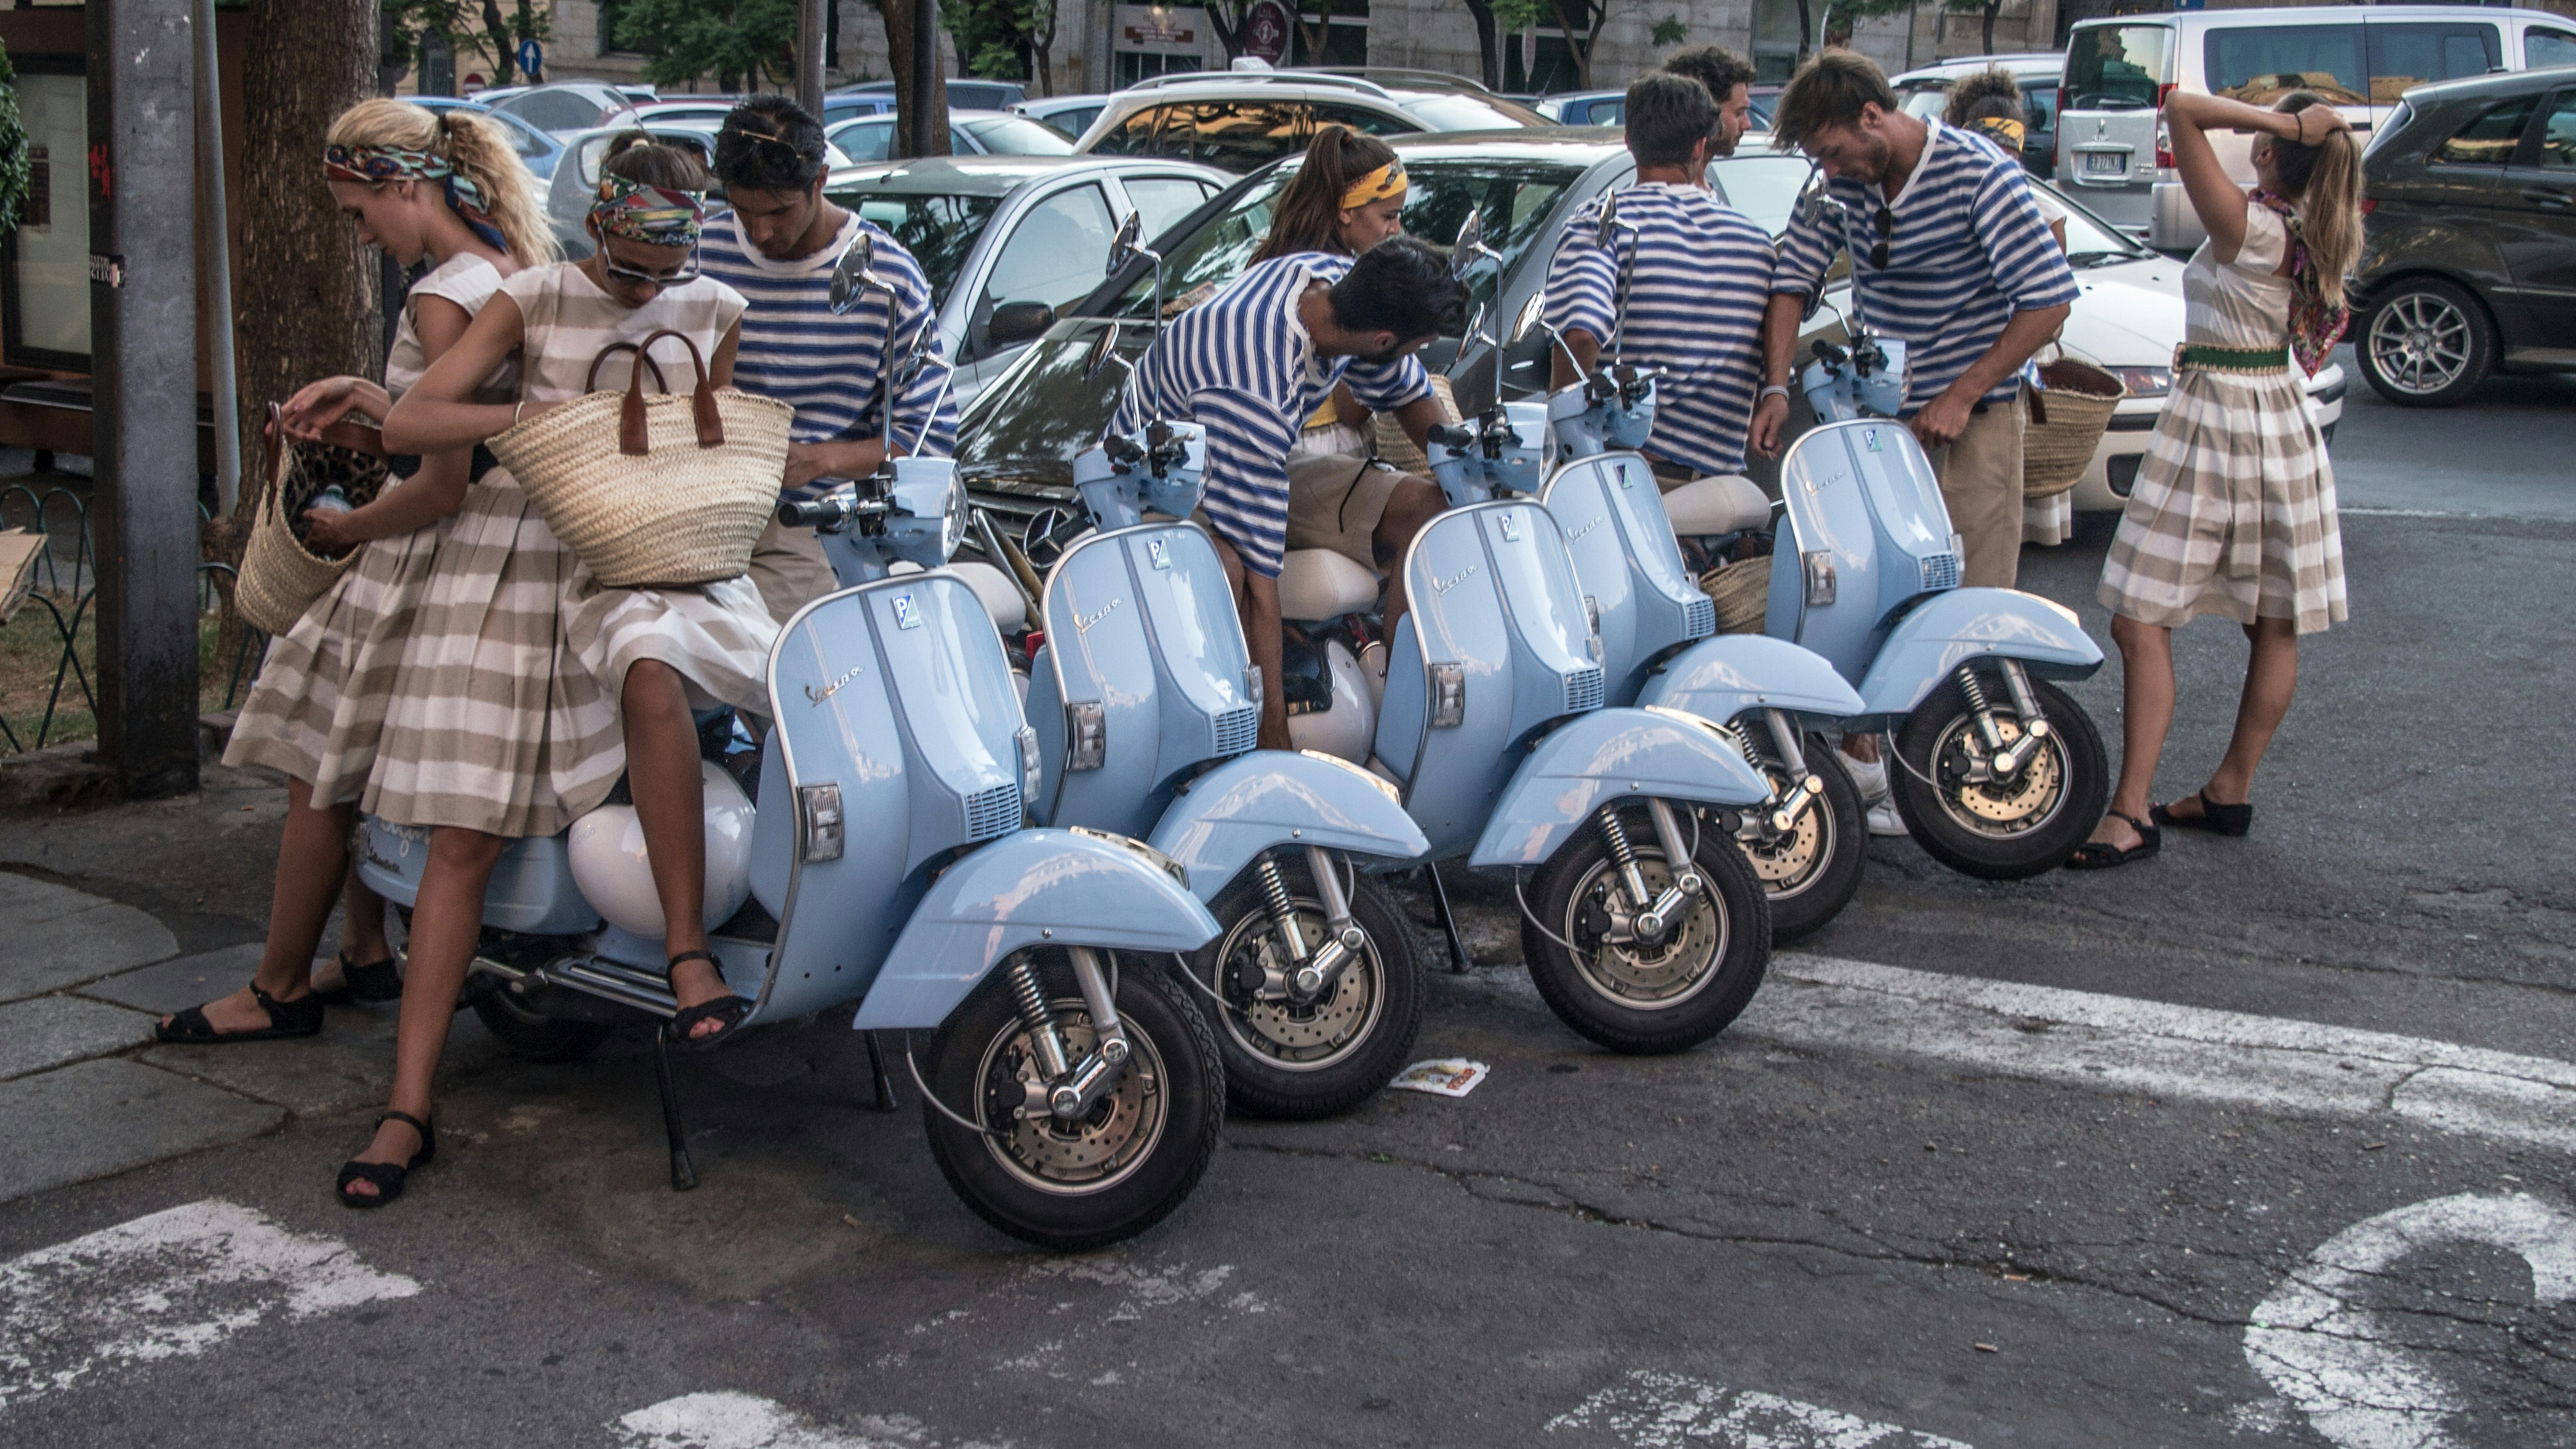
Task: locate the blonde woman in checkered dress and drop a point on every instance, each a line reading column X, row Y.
column 2234, row 511
column 527, row 687
column 448, row 189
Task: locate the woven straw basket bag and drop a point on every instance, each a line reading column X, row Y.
column 664, row 491
column 1742, row 593
column 2067, row 419
column 1396, row 450
column 280, row 578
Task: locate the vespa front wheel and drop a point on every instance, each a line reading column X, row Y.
column 1645, row 991
column 1998, row 827
column 1811, row 870
column 1319, row 1052
column 1119, row 1166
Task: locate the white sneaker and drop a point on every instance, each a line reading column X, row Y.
column 1883, row 819
column 1869, row 776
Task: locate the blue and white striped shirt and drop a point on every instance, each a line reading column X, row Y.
column 1700, row 280
column 1241, row 365
column 827, row 367
column 1969, row 250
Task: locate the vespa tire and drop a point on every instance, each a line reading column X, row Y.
column 1811, row 872
column 1299, row 1062
column 1666, row 997
column 1999, row 834
column 534, row 1035
column 1110, row 1174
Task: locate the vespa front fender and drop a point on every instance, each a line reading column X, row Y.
column 1950, row 628
column 1271, row 798
column 1606, row 755
column 1722, row 677
column 1034, row 887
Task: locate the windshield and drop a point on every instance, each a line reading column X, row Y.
column 1764, row 188
column 1923, row 99
column 1471, row 113
column 1015, row 136
column 2116, row 67
column 937, row 230
column 1516, row 197
column 2089, row 243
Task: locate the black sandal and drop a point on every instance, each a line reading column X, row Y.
column 2217, row 819
column 2102, row 854
column 730, row 1010
column 387, row 1177
column 373, row 981
column 300, row 1017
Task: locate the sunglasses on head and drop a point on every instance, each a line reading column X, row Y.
column 1885, row 222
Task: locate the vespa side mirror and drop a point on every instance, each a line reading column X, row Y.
column 1607, row 231
column 1475, row 325
column 854, row 275
column 1124, row 246
column 1104, row 350
column 1471, row 241
column 1527, row 322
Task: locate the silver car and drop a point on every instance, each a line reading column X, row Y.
column 1244, row 120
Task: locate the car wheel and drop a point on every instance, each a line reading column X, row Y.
column 2426, row 344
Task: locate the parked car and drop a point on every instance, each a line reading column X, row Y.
column 576, row 177
column 970, row 133
column 1926, row 92
column 561, row 108
column 1241, row 121
column 536, row 149
column 688, row 108
column 2111, row 142
column 964, row 93
column 2468, row 261
column 1585, row 108
column 1071, row 115
column 1007, row 240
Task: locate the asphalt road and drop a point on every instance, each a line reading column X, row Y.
column 2166, row 1189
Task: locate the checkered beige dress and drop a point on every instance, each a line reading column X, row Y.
column 317, row 710
column 2234, row 509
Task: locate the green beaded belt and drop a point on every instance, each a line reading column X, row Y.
column 2231, row 359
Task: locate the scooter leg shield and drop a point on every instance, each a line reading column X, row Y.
column 1052, row 887
column 1951, row 628
column 1270, row 798
column 1720, row 678
column 1606, row 755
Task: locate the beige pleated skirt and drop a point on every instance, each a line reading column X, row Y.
column 2233, row 513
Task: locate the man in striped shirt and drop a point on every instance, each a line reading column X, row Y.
column 1700, row 276
column 777, row 246
column 1253, row 363
column 1948, row 254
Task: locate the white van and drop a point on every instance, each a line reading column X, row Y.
column 2111, row 140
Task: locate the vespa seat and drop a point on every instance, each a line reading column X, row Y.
column 1317, row 584
column 1726, row 504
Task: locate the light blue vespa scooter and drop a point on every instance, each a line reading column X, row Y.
column 1998, row 773
column 1808, row 843
column 1069, row 1102
column 1147, row 705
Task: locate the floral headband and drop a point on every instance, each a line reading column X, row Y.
column 1378, row 185
column 653, row 215
column 374, row 164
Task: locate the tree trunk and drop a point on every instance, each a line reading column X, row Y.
column 897, row 15
column 1489, row 47
column 306, row 305
column 1988, row 44
column 1806, row 28
column 505, row 56
column 1316, row 38
column 1582, row 50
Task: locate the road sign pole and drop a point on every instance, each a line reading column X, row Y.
column 143, row 331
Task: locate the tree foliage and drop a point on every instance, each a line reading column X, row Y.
column 470, row 27
column 739, row 42
column 1004, row 39
column 13, row 148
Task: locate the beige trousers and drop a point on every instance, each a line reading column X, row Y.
column 789, row 569
column 1980, row 477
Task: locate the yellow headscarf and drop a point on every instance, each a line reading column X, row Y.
column 1378, row 185
column 2006, row 133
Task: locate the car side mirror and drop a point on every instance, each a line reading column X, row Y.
column 1019, row 322
column 853, row 276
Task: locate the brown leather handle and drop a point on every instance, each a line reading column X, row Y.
column 633, row 438
column 590, row 382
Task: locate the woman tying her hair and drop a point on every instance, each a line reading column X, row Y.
column 447, row 189
column 1347, row 196
column 2234, row 512
column 522, row 668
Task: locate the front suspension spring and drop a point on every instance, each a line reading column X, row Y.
column 1274, row 888
column 1975, row 691
column 1030, row 998
column 1616, row 836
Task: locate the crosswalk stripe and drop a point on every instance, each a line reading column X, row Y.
column 2182, row 1052
column 170, row 1285
column 743, row 1421
column 1654, row 1410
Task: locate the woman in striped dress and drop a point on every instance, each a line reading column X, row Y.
column 2234, row 512
column 448, row 189
column 526, row 686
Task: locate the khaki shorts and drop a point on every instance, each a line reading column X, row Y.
column 1980, row 477
column 788, row 568
column 1336, row 502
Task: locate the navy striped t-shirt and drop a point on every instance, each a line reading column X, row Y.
column 1968, row 251
column 827, row 367
column 1701, row 275
column 1241, row 365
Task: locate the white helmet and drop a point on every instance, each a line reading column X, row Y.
column 608, row 861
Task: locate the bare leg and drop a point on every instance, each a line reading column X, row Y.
column 312, row 859
column 2146, row 715
column 446, row 923
column 671, row 805
column 1409, row 508
column 362, row 924
column 1258, row 608
column 2271, row 678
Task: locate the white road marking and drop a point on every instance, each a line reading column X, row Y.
column 742, row 1421
column 1668, row 1411
column 2181, row 1052
column 2330, row 1358
column 171, row 1285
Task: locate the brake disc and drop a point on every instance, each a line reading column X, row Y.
column 1096, row 1143
column 1650, row 970
column 2031, row 791
column 1782, row 858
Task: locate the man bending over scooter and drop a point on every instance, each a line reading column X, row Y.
column 1252, row 363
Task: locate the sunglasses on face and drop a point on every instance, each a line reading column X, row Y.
column 1885, row 222
column 616, row 270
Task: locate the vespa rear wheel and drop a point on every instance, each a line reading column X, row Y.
column 1108, row 1174
column 1810, row 871
column 1302, row 1059
column 2009, row 829
column 1667, row 993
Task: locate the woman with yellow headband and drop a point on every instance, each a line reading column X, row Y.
column 1989, row 104
column 1347, row 196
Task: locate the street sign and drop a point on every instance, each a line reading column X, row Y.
column 1265, row 31
column 532, row 59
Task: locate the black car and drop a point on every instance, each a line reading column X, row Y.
column 2469, row 261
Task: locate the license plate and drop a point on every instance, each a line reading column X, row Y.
column 2105, row 163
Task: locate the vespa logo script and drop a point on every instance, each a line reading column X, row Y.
column 1445, row 585
column 1083, row 625
column 833, row 688
column 1577, row 535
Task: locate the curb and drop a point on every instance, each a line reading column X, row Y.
column 72, row 777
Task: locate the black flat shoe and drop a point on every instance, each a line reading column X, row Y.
column 300, row 1017
column 387, row 1176
column 373, row 981
column 2102, row 854
column 2217, row 819
column 730, row 1010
